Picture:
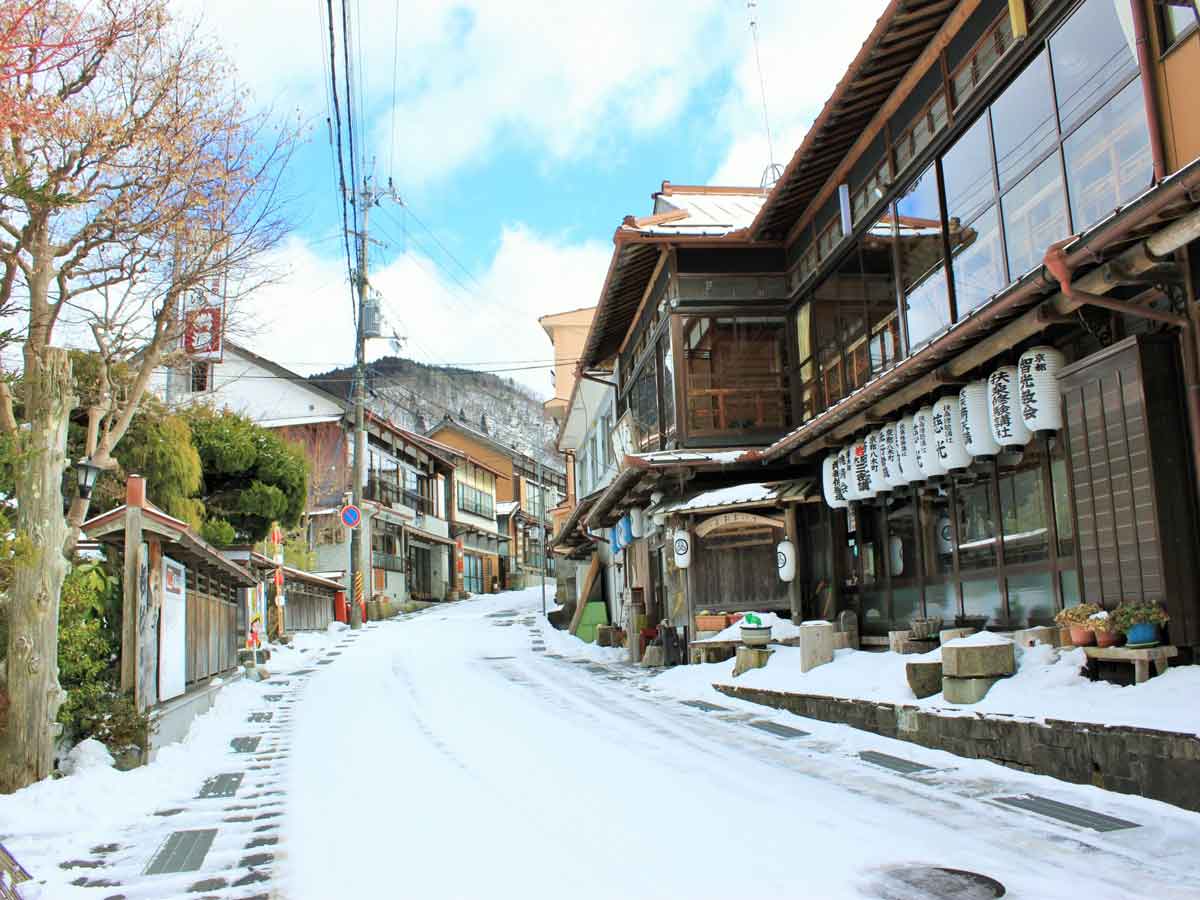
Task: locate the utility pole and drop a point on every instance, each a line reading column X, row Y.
column 360, row 549
column 542, row 517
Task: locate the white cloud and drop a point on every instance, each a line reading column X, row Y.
column 804, row 53
column 305, row 319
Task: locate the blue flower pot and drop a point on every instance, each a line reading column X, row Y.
column 1142, row 633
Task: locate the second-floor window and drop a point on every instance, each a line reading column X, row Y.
column 475, row 501
column 735, row 375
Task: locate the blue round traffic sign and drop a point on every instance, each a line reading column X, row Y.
column 351, row 515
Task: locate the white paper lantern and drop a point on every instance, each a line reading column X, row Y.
column 846, row 471
column 874, row 440
column 860, row 471
column 906, row 450
column 951, row 450
column 973, row 419
column 1037, row 374
column 927, row 457
column 1004, row 410
column 833, row 486
column 785, row 558
column 892, row 473
column 637, row 524
column 682, row 544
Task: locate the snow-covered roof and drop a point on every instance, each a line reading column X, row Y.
column 704, row 211
column 686, row 457
column 506, row 508
column 739, row 495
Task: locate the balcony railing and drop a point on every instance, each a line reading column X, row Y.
column 391, row 494
column 388, row 561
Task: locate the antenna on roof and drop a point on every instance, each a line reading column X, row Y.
column 773, row 172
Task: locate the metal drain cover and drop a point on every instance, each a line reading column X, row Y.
column 895, row 763
column 935, row 883
column 775, row 728
column 182, row 851
column 220, row 786
column 704, row 705
column 244, row 744
column 1064, row 812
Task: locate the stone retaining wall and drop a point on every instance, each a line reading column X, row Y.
column 1162, row 765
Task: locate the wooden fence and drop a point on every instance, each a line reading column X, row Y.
column 212, row 633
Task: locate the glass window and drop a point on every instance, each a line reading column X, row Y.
column 937, row 535
column 1023, row 504
column 811, row 396
column 918, row 234
column 1177, row 21
column 1063, row 520
column 643, row 403
column 1108, row 158
column 941, row 600
column 1023, row 122
column 967, row 174
column 981, row 597
column 1030, row 599
column 667, row 367
column 1035, row 216
column 1092, row 54
column 977, row 526
column 734, row 375
column 978, row 262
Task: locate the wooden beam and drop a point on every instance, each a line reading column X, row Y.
column 658, row 265
column 916, row 71
column 582, row 601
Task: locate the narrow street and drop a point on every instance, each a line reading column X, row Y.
column 468, row 751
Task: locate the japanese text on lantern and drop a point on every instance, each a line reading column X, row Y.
column 1002, row 423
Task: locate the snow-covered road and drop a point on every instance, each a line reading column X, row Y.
column 447, row 755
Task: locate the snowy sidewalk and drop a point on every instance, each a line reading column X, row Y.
column 201, row 821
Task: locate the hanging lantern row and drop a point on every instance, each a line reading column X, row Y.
column 986, row 416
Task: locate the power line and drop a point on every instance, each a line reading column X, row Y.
column 341, row 165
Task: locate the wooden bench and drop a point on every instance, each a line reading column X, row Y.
column 713, row 651
column 1140, row 659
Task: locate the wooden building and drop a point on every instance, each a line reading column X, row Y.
column 180, row 612
column 989, row 182
column 310, row 601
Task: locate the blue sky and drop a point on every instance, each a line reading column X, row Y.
column 524, row 132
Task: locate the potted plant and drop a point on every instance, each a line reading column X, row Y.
column 1139, row 620
column 1076, row 618
column 754, row 632
column 1102, row 627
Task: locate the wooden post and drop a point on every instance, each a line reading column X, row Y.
column 795, row 587
column 135, row 497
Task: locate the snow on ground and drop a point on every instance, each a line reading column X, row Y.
column 459, row 761
column 1047, row 685
column 60, row 818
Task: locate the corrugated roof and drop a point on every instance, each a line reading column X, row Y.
column 697, row 212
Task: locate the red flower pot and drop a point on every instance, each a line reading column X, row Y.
column 1082, row 636
column 1106, row 638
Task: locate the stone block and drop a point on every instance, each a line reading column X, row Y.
column 966, row 690
column 816, row 644
column 949, row 634
column 925, row 678
column 896, row 639
column 978, row 660
column 911, row 646
column 1041, row 634
column 750, row 658
column 654, row 656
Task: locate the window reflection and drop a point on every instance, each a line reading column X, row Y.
column 967, row 173
column 977, row 529
column 1108, row 157
column 918, row 233
column 1023, row 503
column 978, row 261
column 1092, row 54
column 1035, row 216
column 1023, row 122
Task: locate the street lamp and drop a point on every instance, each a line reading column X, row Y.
column 86, row 473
